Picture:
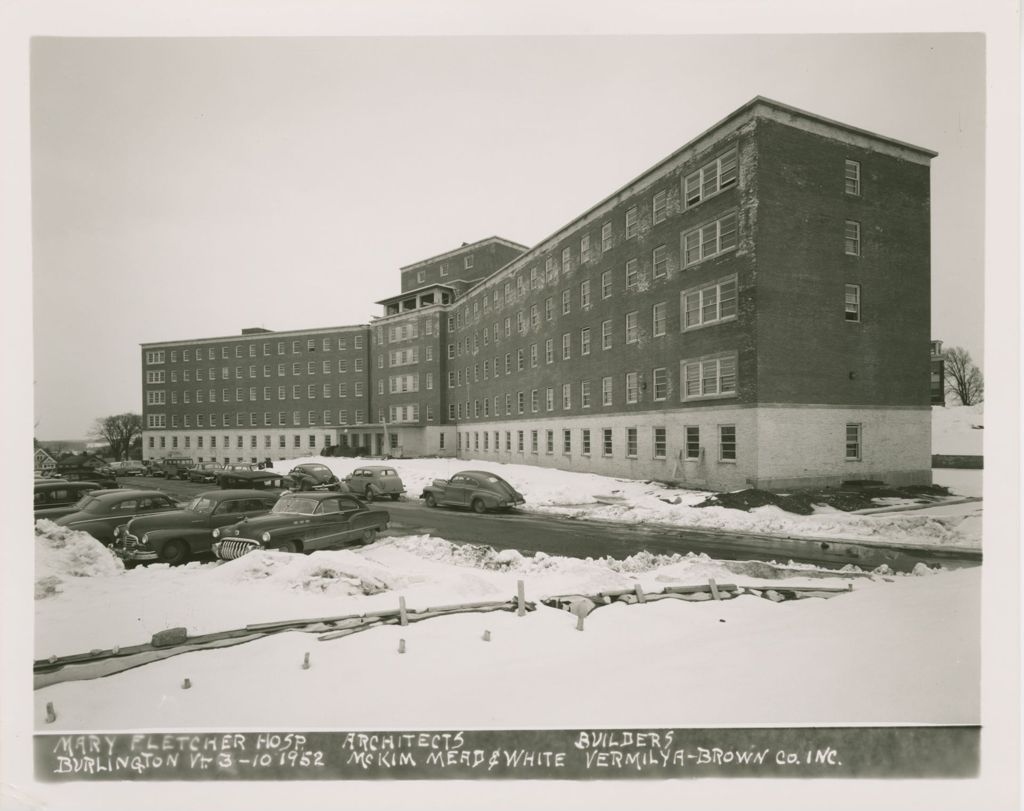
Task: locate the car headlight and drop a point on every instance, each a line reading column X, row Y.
column 216, row 533
column 117, row 532
column 265, row 537
column 144, row 539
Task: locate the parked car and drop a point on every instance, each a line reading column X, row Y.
column 374, row 481
column 303, row 522
column 476, row 489
column 104, row 513
column 56, row 498
column 312, row 476
column 248, row 475
column 205, row 472
column 170, row 466
column 176, row 536
column 94, row 476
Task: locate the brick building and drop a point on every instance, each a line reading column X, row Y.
column 753, row 310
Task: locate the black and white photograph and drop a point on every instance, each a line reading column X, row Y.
column 486, row 409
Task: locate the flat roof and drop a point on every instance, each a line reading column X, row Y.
column 257, row 336
column 470, row 246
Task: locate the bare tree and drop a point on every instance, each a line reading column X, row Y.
column 119, row 431
column 963, row 379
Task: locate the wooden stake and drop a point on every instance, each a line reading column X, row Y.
column 403, row 618
column 187, row 684
column 51, row 716
column 520, row 598
column 305, row 661
column 401, row 646
column 714, row 589
column 487, row 636
column 579, row 622
column 640, row 596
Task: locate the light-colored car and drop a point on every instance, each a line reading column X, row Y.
column 375, row 481
column 477, row 489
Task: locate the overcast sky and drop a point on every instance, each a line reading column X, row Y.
column 188, row 188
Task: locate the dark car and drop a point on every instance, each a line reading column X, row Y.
column 476, row 489
column 176, row 536
column 104, row 513
column 312, row 476
column 205, row 472
column 303, row 522
column 170, row 467
column 96, row 476
column 374, row 481
column 56, row 498
column 247, row 475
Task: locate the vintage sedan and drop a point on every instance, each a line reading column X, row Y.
column 312, row 476
column 476, row 489
column 374, row 481
column 205, row 472
column 104, row 513
column 55, row 498
column 179, row 535
column 303, row 522
column 247, row 475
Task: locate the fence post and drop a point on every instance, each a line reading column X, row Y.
column 520, row 598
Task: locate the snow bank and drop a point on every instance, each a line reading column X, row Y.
column 954, row 431
column 62, row 553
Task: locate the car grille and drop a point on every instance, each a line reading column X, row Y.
column 231, row 548
column 131, row 542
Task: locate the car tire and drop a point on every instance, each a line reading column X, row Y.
column 478, row 506
column 395, row 496
column 369, row 535
column 429, row 500
column 289, row 546
column 371, row 493
column 174, row 552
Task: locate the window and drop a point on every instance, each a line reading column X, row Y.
column 519, row 441
column 585, row 248
column 549, row 399
column 606, row 284
column 585, row 441
column 534, row 445
column 631, row 442
column 534, row 316
column 566, row 304
column 520, row 402
column 659, row 206
column 585, row 294
column 632, row 328
column 468, row 262
column 566, row 441
column 692, row 450
column 606, row 334
column 444, row 269
column 533, row 356
column 520, row 364
column 606, row 237
column 853, row 302
column 632, row 387
column 853, row 441
column 566, row 396
column 632, row 222
column 660, row 443
column 606, row 391
column 660, row 384
column 709, row 305
column 549, row 351
column 549, row 308
column 566, row 259
column 852, row 241
column 853, row 178
column 534, row 401
column 709, row 240
column 710, row 179
column 585, row 394
column 658, row 319
column 708, row 377
column 549, row 441
column 632, row 274
column 606, row 448
column 585, row 341
column 727, row 443
column 659, row 262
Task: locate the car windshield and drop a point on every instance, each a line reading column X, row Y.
column 296, row 505
column 319, row 470
column 201, row 505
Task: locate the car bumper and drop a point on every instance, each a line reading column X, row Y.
column 128, row 550
column 232, row 548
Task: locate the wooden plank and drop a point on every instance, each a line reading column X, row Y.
column 520, row 598
column 714, row 589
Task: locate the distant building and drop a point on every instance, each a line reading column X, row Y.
column 751, row 311
column 938, row 368
column 43, row 463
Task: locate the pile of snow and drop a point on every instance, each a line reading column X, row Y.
column 62, row 553
column 909, row 643
column 570, row 494
column 957, row 430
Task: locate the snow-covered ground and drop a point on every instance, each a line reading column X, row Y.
column 958, row 430
column 567, row 493
column 895, row 649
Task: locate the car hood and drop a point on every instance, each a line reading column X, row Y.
column 253, row 527
column 253, row 475
column 176, row 519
